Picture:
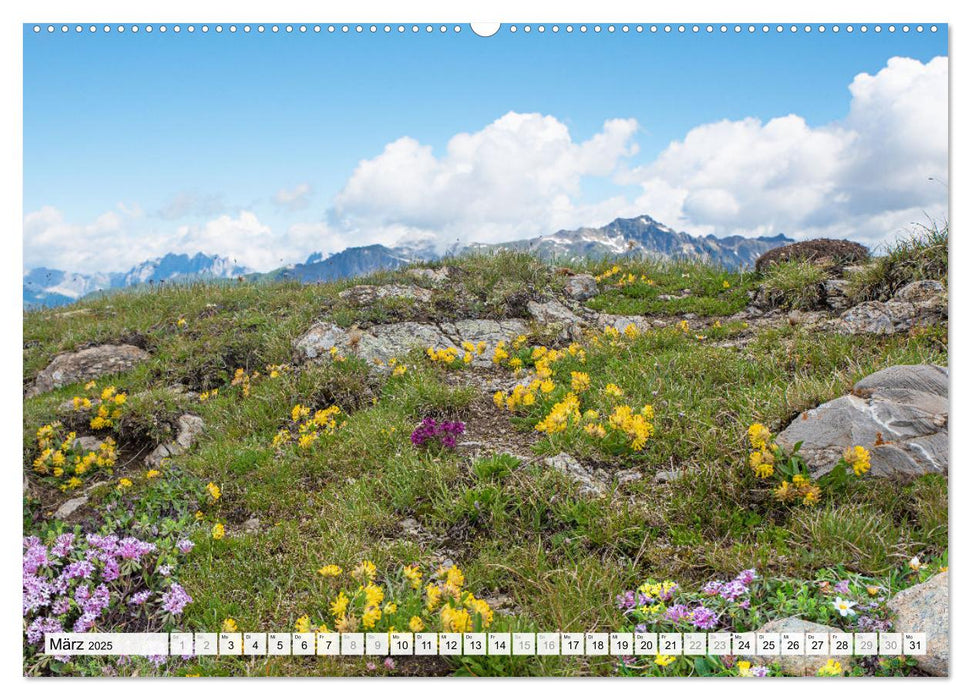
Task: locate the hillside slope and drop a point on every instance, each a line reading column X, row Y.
column 491, row 442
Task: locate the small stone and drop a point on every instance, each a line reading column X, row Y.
column 428, row 274
column 666, row 477
column 67, row 508
column 87, row 443
column 251, row 525
column 188, row 429
column 627, row 476
column 572, row 469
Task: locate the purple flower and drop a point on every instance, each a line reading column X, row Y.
column 704, row 618
column 62, row 545
column 111, row 571
column 78, row 569
column 430, row 429
column 759, row 671
column 98, row 601
column 640, row 628
column 843, row 587
column 625, row 601
column 175, row 599
column 131, row 548
column 746, row 577
column 733, row 590
column 34, row 557
column 61, row 605
column 677, row 612
column 37, row 593
column 185, row 545
column 745, row 604
column 42, row 625
column 713, row 587
column 389, row 663
column 85, row 622
column 157, row 660
column 139, row 598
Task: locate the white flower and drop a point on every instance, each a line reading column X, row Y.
column 844, row 607
column 915, row 564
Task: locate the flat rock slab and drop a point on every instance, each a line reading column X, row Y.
column 900, row 414
column 924, row 608
column 581, row 287
column 794, row 665
column 84, row 365
column 365, row 294
column 390, row 340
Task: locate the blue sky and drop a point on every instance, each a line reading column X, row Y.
column 166, row 133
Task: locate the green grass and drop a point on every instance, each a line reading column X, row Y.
column 918, row 256
column 516, row 528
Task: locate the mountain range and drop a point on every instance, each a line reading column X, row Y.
column 638, row 237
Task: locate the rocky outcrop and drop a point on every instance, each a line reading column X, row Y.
column 555, row 313
column 84, row 365
column 427, row 274
column 823, row 251
column 366, row 294
column 67, row 509
column 900, row 414
column 924, row 608
column 794, row 665
column 188, row 429
column 383, row 342
column 919, row 303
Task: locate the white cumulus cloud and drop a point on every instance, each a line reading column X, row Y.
column 515, row 177
column 294, row 199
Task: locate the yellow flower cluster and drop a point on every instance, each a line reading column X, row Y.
column 60, row 457
column 242, row 379
column 762, row 458
column 563, row 414
column 442, row 604
column 109, row 405
column 607, row 274
column 208, row 395
column 801, row 488
column 830, row 668
column 858, row 458
column 637, row 426
column 309, row 427
column 397, row 368
column 450, row 355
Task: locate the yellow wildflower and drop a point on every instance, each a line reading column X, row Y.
column 415, row 624
column 758, row 435
column 338, row 606
column 229, row 625
column 613, row 391
column 214, row 491
column 413, row 574
column 831, row 668
column 370, row 617
column 218, row 531
column 365, row 570
column 433, row 595
column 663, row 660
column 152, row 473
column 124, row 483
column 330, row 570
column 579, row 381
column 303, row 624
column 858, row 457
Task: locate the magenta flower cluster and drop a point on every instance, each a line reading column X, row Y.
column 96, row 582
column 430, row 430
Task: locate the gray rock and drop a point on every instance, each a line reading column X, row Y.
column 365, row 294
column 919, row 303
column 924, row 608
column 555, row 313
column 667, row 476
column 67, row 508
column 87, row 443
column 572, row 469
column 383, row 342
column 627, row 476
column 921, row 290
column 429, row 275
column 84, row 365
column 188, row 429
column 581, row 287
column 251, row 525
column 621, row 322
column 835, row 291
column 794, row 665
column 900, row 414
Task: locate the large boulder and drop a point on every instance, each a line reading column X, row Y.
column 84, row 365
column 900, row 414
column 824, row 251
column 383, row 342
column 794, row 665
column 924, row 608
column 921, row 303
column 555, row 313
